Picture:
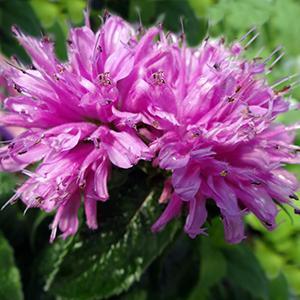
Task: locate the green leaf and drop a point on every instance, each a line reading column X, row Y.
column 10, row 283
column 195, row 28
column 136, row 295
column 240, row 15
column 100, row 264
column 8, row 183
column 292, row 273
column 212, row 269
column 285, row 25
column 271, row 261
column 279, row 288
column 145, row 8
column 244, row 270
column 46, row 11
column 200, row 7
column 19, row 13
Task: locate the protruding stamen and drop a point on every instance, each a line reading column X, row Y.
column 283, row 90
column 271, row 55
column 276, row 60
column 182, row 34
column 252, row 40
column 10, row 201
column 86, row 13
column 284, row 79
column 106, row 15
column 16, row 30
column 247, row 34
column 259, row 52
column 295, row 83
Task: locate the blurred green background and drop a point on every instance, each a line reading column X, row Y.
column 123, row 260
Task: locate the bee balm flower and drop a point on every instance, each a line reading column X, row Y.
column 205, row 115
column 221, row 144
column 73, row 124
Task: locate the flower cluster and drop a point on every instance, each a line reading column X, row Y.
column 204, row 114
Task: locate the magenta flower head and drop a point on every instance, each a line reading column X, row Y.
column 74, row 126
column 206, row 115
column 216, row 112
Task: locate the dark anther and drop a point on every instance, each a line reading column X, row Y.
column 230, row 99
column 17, row 88
column 268, row 224
column 224, row 173
column 294, row 196
column 158, row 77
column 217, row 66
column 56, row 77
column 46, row 39
column 238, row 88
column 39, row 199
column 258, row 58
column 283, row 90
column 106, row 15
column 256, row 182
column 22, row 152
column 104, row 79
column 82, row 185
column 60, row 68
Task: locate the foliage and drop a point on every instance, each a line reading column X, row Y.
column 123, row 259
column 10, row 282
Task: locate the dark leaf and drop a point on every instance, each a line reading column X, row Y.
column 97, row 265
column 10, row 283
column 243, row 270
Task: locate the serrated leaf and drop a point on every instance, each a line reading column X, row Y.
column 100, row 264
column 10, row 283
column 244, row 271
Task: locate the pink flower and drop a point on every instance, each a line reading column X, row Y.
column 74, row 125
column 215, row 112
column 206, row 115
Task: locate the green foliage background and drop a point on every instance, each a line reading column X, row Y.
column 123, row 259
